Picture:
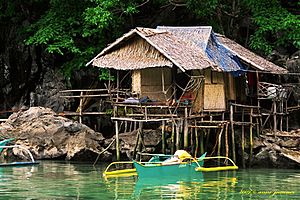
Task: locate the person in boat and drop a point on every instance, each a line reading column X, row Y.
column 178, row 157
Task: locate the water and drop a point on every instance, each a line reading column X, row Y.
column 61, row 180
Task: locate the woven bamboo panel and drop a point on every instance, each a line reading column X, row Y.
column 214, row 97
column 136, row 81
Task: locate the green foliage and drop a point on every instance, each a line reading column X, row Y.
column 80, row 28
column 104, row 75
column 203, row 8
column 276, row 26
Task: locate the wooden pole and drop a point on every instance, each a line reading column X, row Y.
column 243, row 140
column 117, row 140
column 130, row 126
column 173, row 137
column 109, row 84
column 118, row 85
column 287, row 116
column 196, row 141
column 281, row 114
column 226, row 141
column 275, row 117
column 80, row 107
column 125, row 126
column 163, row 80
column 202, row 142
column 163, row 137
column 134, row 125
column 251, row 136
column 220, row 143
column 136, row 144
column 141, row 138
column 186, row 130
column 232, row 133
column 178, row 135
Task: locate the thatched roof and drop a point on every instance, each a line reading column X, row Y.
column 183, row 53
column 186, row 47
column 249, row 57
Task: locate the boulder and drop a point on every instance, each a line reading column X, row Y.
column 49, row 136
column 151, row 140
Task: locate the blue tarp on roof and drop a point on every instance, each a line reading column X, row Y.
column 224, row 58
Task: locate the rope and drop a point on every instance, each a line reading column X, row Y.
column 103, row 151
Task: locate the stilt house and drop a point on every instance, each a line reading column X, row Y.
column 186, row 64
column 187, row 74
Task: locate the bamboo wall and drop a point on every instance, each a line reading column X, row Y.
column 214, row 91
column 148, row 82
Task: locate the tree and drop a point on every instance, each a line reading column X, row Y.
column 275, row 23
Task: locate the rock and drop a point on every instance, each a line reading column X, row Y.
column 258, row 142
column 48, row 136
column 290, row 143
column 291, row 155
column 128, row 140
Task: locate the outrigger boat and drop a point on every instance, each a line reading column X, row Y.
column 3, row 145
column 168, row 165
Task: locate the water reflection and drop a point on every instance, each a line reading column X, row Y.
column 170, row 187
column 63, row 180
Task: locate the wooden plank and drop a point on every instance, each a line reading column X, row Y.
column 138, row 120
column 244, row 106
column 197, row 127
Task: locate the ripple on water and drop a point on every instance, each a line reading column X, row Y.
column 63, row 180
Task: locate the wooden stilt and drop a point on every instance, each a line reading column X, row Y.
column 232, row 133
column 80, row 107
column 243, row 140
column 196, row 142
column 117, row 140
column 178, row 135
column 141, row 138
column 135, row 125
column 257, row 127
column 136, row 144
column 287, row 116
column 201, row 142
column 125, row 126
column 173, row 138
column 275, row 117
column 226, row 141
column 163, row 137
column 192, row 139
column 130, row 126
column 207, row 133
column 186, row 130
column 220, row 142
column 251, row 136
column 118, row 85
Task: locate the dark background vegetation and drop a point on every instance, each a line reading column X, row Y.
column 63, row 35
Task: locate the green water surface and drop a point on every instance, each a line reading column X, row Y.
column 62, row 180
